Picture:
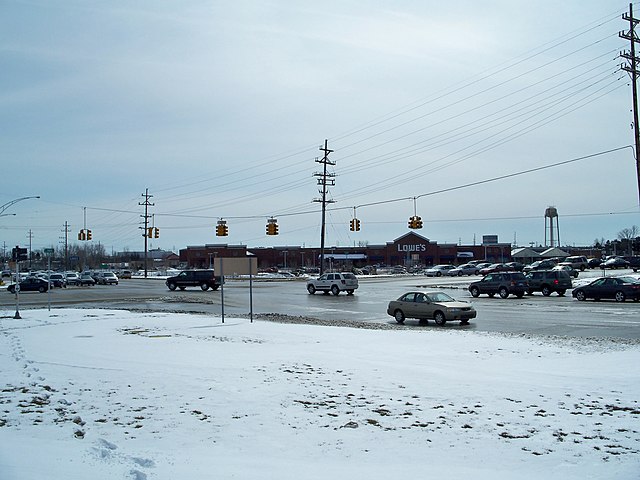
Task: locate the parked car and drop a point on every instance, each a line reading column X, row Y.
column 577, row 262
column 634, row 262
column 205, row 279
column 618, row 288
column 107, row 278
column 30, row 284
column 566, row 268
column 125, row 274
column 430, row 305
column 502, row 283
column 438, row 270
column 548, row 281
column 466, row 269
column 614, row 263
column 334, row 283
column 72, row 278
column 58, row 280
column 594, row 262
column 481, row 265
column 86, row 279
column 540, row 265
column 494, row 267
column 515, row 266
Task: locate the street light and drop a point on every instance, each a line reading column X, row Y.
column 13, row 202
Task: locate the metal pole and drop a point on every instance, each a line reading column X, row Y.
column 17, row 315
column 250, row 290
column 222, row 287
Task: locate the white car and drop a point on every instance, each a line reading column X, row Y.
column 334, row 283
column 466, row 269
column 438, row 270
column 106, row 278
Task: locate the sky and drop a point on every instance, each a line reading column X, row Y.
column 106, row 394
column 219, row 110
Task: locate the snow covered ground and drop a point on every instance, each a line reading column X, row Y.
column 112, row 394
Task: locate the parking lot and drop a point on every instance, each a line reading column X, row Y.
column 532, row 314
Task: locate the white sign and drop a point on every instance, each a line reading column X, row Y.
column 416, row 247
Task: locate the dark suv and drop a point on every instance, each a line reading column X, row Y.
column 502, row 283
column 548, row 281
column 205, row 279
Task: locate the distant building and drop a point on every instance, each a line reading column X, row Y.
column 408, row 250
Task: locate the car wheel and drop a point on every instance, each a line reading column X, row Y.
column 399, row 316
column 504, row 293
column 311, row 289
column 475, row 292
column 172, row 286
column 438, row 274
column 580, row 296
column 582, row 268
column 11, row 289
column 546, row 291
column 529, row 292
column 335, row 290
column 42, row 289
column 204, row 286
column 460, row 273
column 620, row 297
column 561, row 292
column 439, row 318
column 349, row 292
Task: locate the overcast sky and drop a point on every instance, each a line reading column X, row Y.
column 219, row 109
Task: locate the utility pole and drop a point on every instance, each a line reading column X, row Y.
column 325, row 179
column 145, row 230
column 30, row 235
column 632, row 69
column 66, row 245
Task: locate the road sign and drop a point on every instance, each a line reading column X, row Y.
column 48, row 251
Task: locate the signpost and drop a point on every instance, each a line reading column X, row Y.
column 48, row 252
column 236, row 266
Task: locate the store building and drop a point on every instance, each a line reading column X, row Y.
column 408, row 250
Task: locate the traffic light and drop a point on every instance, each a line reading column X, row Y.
column 221, row 229
column 415, row 222
column 272, row 226
column 156, row 232
column 82, row 235
column 357, row 225
column 149, row 232
column 352, row 224
column 88, row 234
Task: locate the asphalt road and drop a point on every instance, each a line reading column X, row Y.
column 534, row 314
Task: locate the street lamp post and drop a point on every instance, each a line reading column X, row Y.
column 13, row 202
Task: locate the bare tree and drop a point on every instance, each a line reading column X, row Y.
column 627, row 235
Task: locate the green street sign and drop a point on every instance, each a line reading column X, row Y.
column 48, row 251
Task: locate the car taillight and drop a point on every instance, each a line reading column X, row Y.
column 555, row 282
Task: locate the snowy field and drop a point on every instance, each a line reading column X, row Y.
column 99, row 394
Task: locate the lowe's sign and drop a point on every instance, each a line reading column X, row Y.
column 416, row 247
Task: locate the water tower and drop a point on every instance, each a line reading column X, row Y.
column 551, row 213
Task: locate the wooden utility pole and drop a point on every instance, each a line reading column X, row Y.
column 145, row 230
column 325, row 179
column 632, row 69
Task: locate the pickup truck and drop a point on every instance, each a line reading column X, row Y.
column 205, row 279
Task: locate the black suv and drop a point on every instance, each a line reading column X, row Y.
column 205, row 279
column 548, row 281
column 502, row 283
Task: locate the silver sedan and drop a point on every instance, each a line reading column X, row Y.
column 425, row 305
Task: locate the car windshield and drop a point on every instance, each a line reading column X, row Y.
column 440, row 297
